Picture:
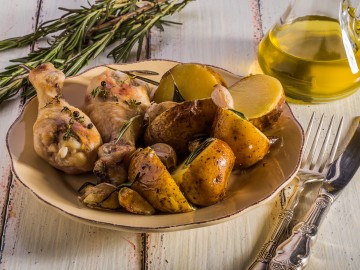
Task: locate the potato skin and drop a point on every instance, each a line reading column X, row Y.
column 179, row 124
column 247, row 142
column 269, row 120
column 267, row 99
column 151, row 180
column 205, row 179
column 134, row 203
column 93, row 196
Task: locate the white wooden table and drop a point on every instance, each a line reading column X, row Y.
column 222, row 33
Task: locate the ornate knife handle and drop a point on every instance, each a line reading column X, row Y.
column 293, row 253
column 268, row 250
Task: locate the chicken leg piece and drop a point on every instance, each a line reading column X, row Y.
column 63, row 135
column 113, row 99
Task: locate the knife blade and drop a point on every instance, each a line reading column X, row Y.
column 294, row 252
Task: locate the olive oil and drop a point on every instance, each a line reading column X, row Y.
column 309, row 59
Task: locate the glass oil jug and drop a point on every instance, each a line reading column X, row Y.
column 314, row 50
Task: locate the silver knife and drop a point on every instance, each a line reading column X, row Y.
column 294, row 252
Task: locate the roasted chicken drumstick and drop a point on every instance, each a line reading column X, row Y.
column 63, row 135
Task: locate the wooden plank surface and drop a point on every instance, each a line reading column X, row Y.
column 8, row 112
column 37, row 237
column 221, row 33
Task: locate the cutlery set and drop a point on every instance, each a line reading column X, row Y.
column 294, row 252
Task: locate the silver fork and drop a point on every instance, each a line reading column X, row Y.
column 311, row 170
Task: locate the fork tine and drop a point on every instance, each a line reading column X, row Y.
column 307, row 135
column 311, row 154
column 323, row 147
column 308, row 130
column 334, row 147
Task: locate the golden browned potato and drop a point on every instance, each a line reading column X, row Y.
column 103, row 196
column 248, row 143
column 150, row 178
column 134, row 203
column 204, row 177
column 181, row 123
column 192, row 81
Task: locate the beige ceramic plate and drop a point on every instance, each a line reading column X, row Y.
column 246, row 189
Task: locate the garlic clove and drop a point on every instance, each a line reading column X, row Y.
column 222, row 97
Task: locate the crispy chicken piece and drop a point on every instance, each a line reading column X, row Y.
column 112, row 99
column 63, row 135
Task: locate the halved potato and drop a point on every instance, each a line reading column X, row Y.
column 193, row 81
column 151, row 180
column 179, row 124
column 260, row 98
column 204, row 179
column 248, row 143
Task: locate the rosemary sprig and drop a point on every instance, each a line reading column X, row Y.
column 131, row 73
column 177, row 97
column 125, row 127
column 240, row 114
column 84, row 33
column 132, row 103
column 198, row 150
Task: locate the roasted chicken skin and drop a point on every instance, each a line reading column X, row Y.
column 63, row 135
column 113, row 99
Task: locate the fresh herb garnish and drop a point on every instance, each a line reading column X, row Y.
column 101, row 92
column 125, row 127
column 82, row 34
column 74, row 116
column 55, row 99
column 132, row 75
column 70, row 133
column 239, row 113
column 198, row 150
column 177, row 97
column 132, row 102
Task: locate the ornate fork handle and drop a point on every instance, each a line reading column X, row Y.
column 293, row 254
column 267, row 251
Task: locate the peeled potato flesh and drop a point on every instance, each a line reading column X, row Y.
column 194, row 81
column 260, row 98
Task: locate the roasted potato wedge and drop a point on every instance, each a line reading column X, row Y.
column 248, row 143
column 192, row 81
column 181, row 123
column 260, row 98
column 151, row 180
column 103, row 196
column 203, row 177
column 134, row 203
